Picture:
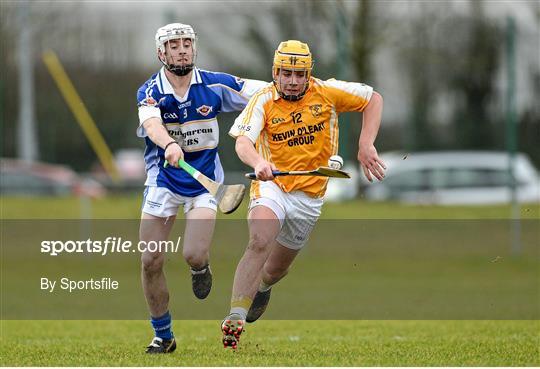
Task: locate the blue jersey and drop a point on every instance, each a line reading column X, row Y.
column 192, row 121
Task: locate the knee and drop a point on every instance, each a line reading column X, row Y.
column 152, row 262
column 258, row 243
column 195, row 259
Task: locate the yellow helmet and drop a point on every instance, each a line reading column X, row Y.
column 292, row 55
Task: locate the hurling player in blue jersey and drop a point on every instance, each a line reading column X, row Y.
column 178, row 108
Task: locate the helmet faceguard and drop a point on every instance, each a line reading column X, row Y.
column 175, row 31
column 294, row 56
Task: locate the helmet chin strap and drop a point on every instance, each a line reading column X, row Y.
column 292, row 97
column 180, row 70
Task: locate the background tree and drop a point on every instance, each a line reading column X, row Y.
column 473, row 80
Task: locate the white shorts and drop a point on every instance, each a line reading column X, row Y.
column 296, row 211
column 162, row 202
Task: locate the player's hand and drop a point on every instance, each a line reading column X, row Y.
column 173, row 154
column 370, row 162
column 264, row 169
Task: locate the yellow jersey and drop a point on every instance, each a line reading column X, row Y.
column 299, row 135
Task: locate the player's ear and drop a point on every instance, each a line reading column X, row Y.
column 275, row 73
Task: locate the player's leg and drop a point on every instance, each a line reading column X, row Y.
column 157, row 227
column 264, row 227
column 275, row 268
column 154, row 284
column 200, row 222
column 153, row 279
column 302, row 214
column 278, row 263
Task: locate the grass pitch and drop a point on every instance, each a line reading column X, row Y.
column 129, row 207
column 276, row 342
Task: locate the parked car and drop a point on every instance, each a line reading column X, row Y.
column 130, row 164
column 20, row 178
column 131, row 171
column 454, row 177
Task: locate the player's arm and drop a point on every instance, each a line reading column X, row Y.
column 249, row 156
column 246, row 129
column 158, row 134
column 367, row 154
column 151, row 126
column 351, row 96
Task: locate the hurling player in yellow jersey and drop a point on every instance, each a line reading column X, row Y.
column 291, row 124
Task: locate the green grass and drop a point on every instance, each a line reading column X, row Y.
column 129, row 207
column 276, row 343
column 471, row 263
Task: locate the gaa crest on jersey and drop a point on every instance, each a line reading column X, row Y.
column 149, row 101
column 170, row 116
column 204, row 110
column 316, row 110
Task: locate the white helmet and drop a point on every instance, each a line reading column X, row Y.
column 176, row 31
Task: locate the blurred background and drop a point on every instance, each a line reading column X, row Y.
column 459, row 78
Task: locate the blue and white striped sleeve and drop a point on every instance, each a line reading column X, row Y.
column 235, row 92
column 148, row 107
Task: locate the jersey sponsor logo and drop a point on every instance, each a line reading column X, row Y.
column 204, row 110
column 174, row 134
column 170, row 116
column 197, row 136
column 277, row 120
column 243, row 127
column 316, row 110
column 299, row 136
column 303, row 140
column 186, row 104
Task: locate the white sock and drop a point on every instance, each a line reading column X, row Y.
column 240, row 311
column 199, row 270
column 263, row 287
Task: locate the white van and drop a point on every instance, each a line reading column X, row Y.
column 454, row 178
